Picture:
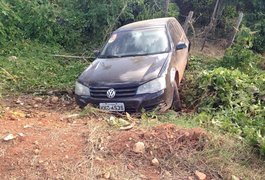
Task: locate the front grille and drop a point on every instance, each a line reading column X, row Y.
column 101, row 92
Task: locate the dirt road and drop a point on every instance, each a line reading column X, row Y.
column 45, row 138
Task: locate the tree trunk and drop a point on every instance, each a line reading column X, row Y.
column 211, row 25
column 219, row 13
column 188, row 21
column 166, row 8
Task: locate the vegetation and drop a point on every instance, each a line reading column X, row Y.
column 224, row 156
column 227, row 13
column 225, row 94
column 71, row 23
column 89, row 22
column 36, row 70
column 229, row 95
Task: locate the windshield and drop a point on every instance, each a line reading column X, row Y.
column 136, row 43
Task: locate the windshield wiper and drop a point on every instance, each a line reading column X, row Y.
column 121, row 56
column 131, row 55
column 144, row 54
column 110, row 56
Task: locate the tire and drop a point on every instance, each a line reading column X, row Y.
column 176, row 103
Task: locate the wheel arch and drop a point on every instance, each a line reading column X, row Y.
column 177, row 77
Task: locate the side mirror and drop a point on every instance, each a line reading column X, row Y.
column 181, row 45
column 96, row 52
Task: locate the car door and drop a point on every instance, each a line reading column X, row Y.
column 179, row 56
column 182, row 55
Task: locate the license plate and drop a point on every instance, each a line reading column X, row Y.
column 115, row 107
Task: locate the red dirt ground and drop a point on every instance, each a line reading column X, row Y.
column 161, row 142
column 48, row 143
column 54, row 143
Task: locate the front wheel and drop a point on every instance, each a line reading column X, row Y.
column 176, row 103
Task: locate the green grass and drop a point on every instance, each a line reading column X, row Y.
column 35, row 69
column 185, row 120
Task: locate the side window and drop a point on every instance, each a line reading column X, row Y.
column 180, row 30
column 174, row 34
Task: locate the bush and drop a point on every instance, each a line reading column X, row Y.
column 240, row 56
column 230, row 100
column 71, row 23
column 259, row 40
column 223, row 88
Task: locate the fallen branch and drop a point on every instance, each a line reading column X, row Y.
column 236, row 29
column 8, row 74
column 74, row 57
column 193, row 29
column 111, row 26
column 126, row 128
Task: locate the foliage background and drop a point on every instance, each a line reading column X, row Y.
column 73, row 24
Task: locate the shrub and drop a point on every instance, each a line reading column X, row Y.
column 259, row 39
column 240, row 56
column 71, row 23
column 223, row 88
column 230, row 100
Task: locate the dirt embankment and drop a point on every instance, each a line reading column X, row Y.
column 45, row 138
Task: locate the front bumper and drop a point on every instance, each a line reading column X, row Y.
column 132, row 104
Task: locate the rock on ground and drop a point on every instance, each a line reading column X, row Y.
column 139, row 148
column 200, row 175
column 155, row 162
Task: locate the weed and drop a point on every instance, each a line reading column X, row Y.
column 35, row 69
column 240, row 56
column 225, row 156
column 230, row 101
column 185, row 120
column 227, row 94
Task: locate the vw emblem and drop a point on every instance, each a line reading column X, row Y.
column 111, row 93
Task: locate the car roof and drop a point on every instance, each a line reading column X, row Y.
column 159, row 22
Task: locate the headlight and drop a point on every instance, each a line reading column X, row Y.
column 81, row 90
column 153, row 86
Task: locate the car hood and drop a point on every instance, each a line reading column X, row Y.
column 126, row 70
